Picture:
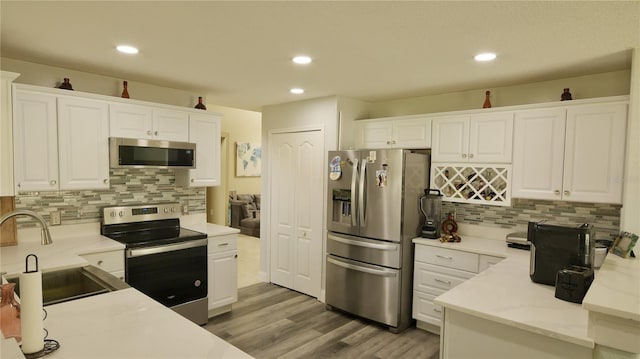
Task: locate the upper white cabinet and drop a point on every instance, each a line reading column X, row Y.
column 481, row 138
column 35, row 142
column 60, row 142
column 143, row 122
column 6, row 133
column 572, row 154
column 204, row 131
column 397, row 132
column 83, row 143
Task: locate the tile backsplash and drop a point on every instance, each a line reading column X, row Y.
column 128, row 186
column 604, row 217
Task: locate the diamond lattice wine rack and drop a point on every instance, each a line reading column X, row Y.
column 481, row 184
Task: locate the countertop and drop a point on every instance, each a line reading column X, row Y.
column 121, row 324
column 504, row 293
column 616, row 288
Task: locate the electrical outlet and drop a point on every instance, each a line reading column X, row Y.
column 55, row 218
column 185, row 209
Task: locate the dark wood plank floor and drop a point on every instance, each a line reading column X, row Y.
column 269, row 321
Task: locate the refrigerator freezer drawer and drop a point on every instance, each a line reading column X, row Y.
column 372, row 251
column 365, row 290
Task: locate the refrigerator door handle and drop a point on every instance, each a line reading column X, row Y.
column 354, row 178
column 384, row 247
column 361, row 200
column 379, row 272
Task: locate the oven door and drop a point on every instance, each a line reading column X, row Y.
column 171, row 274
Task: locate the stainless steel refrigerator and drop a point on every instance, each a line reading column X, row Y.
column 372, row 216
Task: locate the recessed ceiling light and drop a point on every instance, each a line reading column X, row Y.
column 302, row 60
column 296, row 91
column 487, row 56
column 127, row 49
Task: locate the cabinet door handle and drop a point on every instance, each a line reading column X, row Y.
column 100, row 262
column 464, row 155
column 388, row 142
column 193, row 180
column 149, row 132
column 155, row 133
column 105, row 181
column 393, row 142
column 52, row 182
column 566, row 193
column 437, row 310
column 556, row 192
column 442, row 281
column 223, row 244
column 444, row 257
column 471, row 155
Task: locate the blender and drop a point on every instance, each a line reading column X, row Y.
column 431, row 208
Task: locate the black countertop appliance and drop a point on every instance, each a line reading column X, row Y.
column 556, row 246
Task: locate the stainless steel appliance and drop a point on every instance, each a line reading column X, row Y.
column 164, row 261
column 431, row 208
column 556, row 246
column 372, row 216
column 134, row 153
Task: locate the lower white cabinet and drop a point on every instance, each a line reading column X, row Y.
column 435, row 271
column 110, row 261
column 222, row 263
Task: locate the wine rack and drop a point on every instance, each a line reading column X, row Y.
column 477, row 183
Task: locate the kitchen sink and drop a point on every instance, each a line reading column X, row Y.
column 74, row 283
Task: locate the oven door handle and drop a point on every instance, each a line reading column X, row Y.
column 379, row 272
column 138, row 252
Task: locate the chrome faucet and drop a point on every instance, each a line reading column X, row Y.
column 46, row 236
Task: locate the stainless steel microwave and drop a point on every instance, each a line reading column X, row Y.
column 138, row 153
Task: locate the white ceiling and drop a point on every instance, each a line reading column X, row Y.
column 238, row 53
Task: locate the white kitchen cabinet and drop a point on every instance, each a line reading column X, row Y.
column 35, row 142
column 109, row 261
column 204, row 131
column 573, row 154
column 436, row 270
column 83, row 143
column 222, row 272
column 6, row 133
column 145, row 122
column 396, row 132
column 478, row 138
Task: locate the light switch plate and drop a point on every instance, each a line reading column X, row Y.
column 185, row 209
column 55, row 218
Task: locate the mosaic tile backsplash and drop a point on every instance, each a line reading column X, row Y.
column 128, row 186
column 604, row 217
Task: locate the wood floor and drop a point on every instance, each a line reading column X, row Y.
column 269, row 321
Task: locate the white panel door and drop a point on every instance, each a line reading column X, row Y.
column 450, row 139
column 594, row 153
column 130, row 121
column 538, row 154
column 296, row 211
column 170, row 125
column 35, row 142
column 375, row 135
column 415, row 133
column 491, row 137
column 83, row 137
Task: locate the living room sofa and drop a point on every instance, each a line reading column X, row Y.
column 245, row 213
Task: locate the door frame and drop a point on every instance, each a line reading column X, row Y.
column 265, row 230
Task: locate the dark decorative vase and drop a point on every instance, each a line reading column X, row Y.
column 66, row 85
column 566, row 95
column 487, row 102
column 125, row 92
column 200, row 105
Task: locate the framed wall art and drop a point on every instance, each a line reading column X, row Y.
column 248, row 159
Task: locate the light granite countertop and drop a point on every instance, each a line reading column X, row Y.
column 504, row 293
column 120, row 324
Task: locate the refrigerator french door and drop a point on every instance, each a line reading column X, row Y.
column 372, row 217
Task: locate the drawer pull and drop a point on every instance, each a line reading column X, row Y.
column 223, row 244
column 443, row 281
column 437, row 310
column 444, row 257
